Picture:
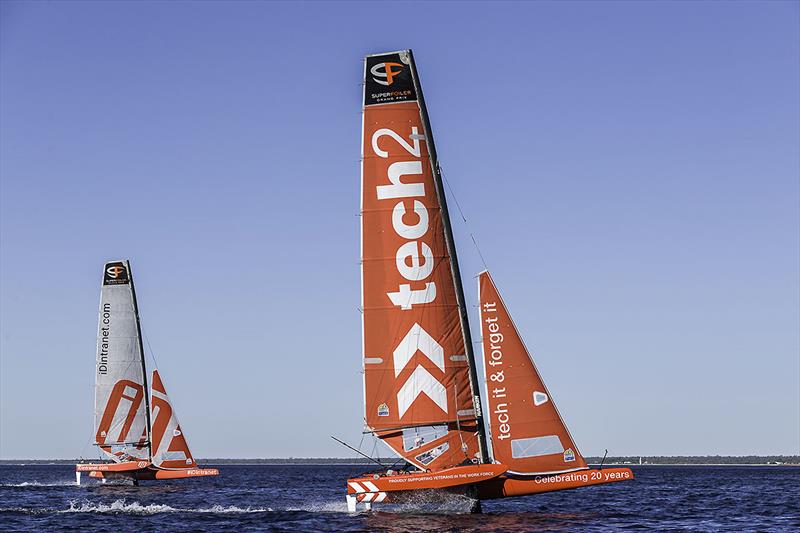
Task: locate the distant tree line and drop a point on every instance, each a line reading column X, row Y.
column 699, row 459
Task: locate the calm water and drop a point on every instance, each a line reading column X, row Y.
column 311, row 498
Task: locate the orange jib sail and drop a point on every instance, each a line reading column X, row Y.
column 170, row 449
column 418, row 396
column 528, row 433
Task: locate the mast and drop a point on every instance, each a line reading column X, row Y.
column 144, row 366
column 451, row 249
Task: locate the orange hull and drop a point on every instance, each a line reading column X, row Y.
column 441, row 479
column 484, row 482
column 184, row 473
column 127, row 466
column 141, row 470
column 504, row 486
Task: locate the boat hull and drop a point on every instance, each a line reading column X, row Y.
column 509, row 485
column 441, row 479
column 126, row 466
column 479, row 482
column 400, row 488
column 139, row 470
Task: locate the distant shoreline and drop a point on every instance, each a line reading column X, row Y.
column 719, row 460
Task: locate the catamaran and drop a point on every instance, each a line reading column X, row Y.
column 135, row 425
column 421, row 390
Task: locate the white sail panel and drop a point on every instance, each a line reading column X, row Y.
column 120, row 392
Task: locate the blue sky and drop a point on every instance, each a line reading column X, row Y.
column 630, row 171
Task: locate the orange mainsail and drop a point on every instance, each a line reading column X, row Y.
column 528, row 433
column 418, row 393
column 421, row 394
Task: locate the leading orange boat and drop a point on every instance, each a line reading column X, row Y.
column 421, row 390
column 135, row 425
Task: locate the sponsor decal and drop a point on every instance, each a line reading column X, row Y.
column 123, row 404
column 592, row 476
column 202, row 472
column 384, row 73
column 415, row 263
column 389, row 79
column 573, row 477
column 421, row 381
column 439, row 477
column 105, row 329
column 383, row 410
column 495, row 371
column 569, row 455
column 116, row 274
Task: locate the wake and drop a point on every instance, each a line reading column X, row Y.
column 39, row 484
column 121, row 506
column 135, row 508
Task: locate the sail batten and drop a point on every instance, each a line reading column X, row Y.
column 413, row 320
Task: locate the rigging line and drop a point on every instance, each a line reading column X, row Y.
column 358, row 452
column 458, row 422
column 361, row 442
column 478, row 248
column 449, row 188
column 464, row 218
column 375, row 448
column 149, row 347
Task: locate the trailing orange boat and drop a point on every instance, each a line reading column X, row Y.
column 135, row 424
column 421, row 390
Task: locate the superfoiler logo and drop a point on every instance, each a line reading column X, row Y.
column 115, row 271
column 384, row 73
column 415, row 263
